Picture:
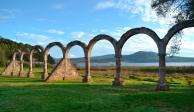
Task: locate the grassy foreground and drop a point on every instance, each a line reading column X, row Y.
column 137, row 95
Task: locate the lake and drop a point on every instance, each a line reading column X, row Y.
column 139, row 64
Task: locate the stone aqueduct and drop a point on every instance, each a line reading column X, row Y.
column 62, row 70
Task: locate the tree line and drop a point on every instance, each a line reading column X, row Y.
column 8, row 47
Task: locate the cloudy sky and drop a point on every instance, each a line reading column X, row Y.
column 44, row 21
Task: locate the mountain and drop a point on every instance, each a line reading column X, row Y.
column 138, row 57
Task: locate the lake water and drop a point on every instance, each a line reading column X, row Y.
column 139, row 64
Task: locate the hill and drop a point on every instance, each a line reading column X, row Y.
column 138, row 57
column 8, row 47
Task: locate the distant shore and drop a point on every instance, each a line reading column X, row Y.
column 124, row 64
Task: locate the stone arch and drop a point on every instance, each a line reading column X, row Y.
column 13, row 67
column 92, row 42
column 22, row 53
column 14, row 55
column 17, row 52
column 15, row 63
column 162, row 85
column 136, row 31
column 123, row 40
column 35, row 48
column 69, row 46
column 176, row 28
column 74, row 43
column 45, row 56
column 101, row 37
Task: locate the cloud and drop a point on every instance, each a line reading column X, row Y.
column 8, row 13
column 45, row 20
column 116, row 32
column 78, row 35
column 186, row 43
column 58, row 6
column 5, row 17
column 188, row 32
column 10, row 10
column 54, row 31
column 141, row 8
column 33, row 36
column 40, row 39
column 73, row 56
column 139, row 42
column 105, row 5
column 186, row 47
column 41, row 43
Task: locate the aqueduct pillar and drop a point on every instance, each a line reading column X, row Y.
column 45, row 75
column 87, row 77
column 33, row 50
column 30, row 73
column 162, row 84
column 21, row 73
column 117, row 80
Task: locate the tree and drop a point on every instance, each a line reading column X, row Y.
column 8, row 47
column 3, row 59
column 181, row 10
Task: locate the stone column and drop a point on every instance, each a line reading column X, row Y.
column 117, row 80
column 45, row 75
column 65, row 59
column 30, row 73
column 13, row 68
column 87, row 77
column 162, row 84
column 21, row 73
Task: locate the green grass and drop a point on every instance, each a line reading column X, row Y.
column 137, row 95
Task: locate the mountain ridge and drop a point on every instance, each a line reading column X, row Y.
column 137, row 57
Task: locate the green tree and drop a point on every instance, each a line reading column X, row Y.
column 180, row 10
column 3, row 59
column 51, row 60
column 8, row 47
